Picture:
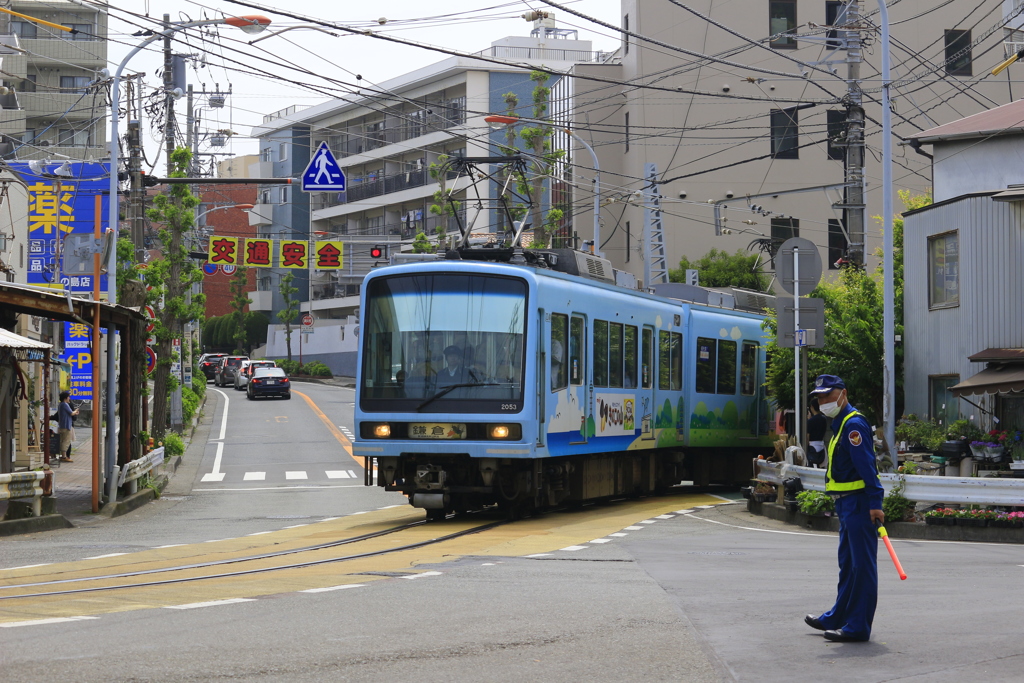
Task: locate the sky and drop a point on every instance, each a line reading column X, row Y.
column 468, row 25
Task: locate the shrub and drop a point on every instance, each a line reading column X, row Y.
column 198, row 383
column 896, row 505
column 189, row 404
column 927, row 434
column 173, row 444
column 290, row 366
column 316, row 369
column 815, row 502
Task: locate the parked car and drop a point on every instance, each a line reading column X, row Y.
column 268, row 382
column 208, row 364
column 226, row 370
column 245, row 371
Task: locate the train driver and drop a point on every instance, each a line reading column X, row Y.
column 455, row 371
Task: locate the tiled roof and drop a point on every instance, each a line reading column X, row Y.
column 1007, row 119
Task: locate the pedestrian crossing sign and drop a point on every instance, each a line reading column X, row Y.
column 323, row 174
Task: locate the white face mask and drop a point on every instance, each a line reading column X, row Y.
column 830, row 409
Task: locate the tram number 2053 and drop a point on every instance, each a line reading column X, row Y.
column 509, row 406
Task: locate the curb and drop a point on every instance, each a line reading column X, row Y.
column 327, row 382
column 909, row 530
column 31, row 525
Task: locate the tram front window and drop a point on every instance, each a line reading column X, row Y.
column 444, row 343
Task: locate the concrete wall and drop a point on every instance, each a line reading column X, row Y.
column 333, row 342
column 967, row 166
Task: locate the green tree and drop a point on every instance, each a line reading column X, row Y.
column 422, row 245
column 444, row 207
column 171, row 277
column 853, row 334
column 255, row 329
column 239, row 301
column 721, row 269
column 290, row 311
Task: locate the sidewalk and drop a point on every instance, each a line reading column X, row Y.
column 72, row 481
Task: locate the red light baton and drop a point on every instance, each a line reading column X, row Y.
column 892, row 553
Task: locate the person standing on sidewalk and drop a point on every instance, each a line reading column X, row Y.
column 65, row 424
column 851, row 478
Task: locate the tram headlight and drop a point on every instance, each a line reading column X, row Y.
column 382, row 431
column 505, row 432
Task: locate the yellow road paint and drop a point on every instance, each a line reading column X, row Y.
column 345, row 443
column 543, row 534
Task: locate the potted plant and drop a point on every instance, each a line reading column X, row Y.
column 1016, row 519
column 764, row 492
column 1001, row 520
column 940, row 517
column 815, row 503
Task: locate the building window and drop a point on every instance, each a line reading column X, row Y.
column 282, row 151
column 69, row 137
column 84, row 32
column 958, row 52
column 29, row 83
column 264, row 196
column 625, row 38
column 627, row 131
column 23, row 29
column 837, row 243
column 75, row 84
column 835, row 15
column 284, row 194
column 265, row 154
column 836, row 134
column 943, row 271
column 782, row 24
column 785, row 228
column 785, row 136
column 945, row 407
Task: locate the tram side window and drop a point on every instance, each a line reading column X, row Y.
column 707, row 350
column 559, row 336
column 748, row 369
column 629, row 380
column 601, row 353
column 670, row 361
column 615, row 355
column 648, row 357
column 726, row 367
column 576, row 351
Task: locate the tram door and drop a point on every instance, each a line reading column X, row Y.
column 645, row 408
column 578, row 384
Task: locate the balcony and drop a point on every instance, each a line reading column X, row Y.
column 81, row 53
column 441, row 116
column 70, row 105
column 261, row 214
column 261, row 300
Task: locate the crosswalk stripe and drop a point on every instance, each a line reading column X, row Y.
column 255, row 476
column 295, row 475
column 339, row 474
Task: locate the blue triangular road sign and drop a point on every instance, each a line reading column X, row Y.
column 323, row 174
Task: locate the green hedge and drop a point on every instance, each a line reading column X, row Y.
column 189, row 404
column 316, row 369
column 173, row 445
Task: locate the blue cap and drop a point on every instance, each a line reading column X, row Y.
column 826, row 383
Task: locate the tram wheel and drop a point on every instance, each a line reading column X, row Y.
column 435, row 515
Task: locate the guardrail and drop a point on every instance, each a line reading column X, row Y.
column 136, row 469
column 24, row 485
column 922, row 489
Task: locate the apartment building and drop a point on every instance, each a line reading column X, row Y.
column 385, row 139
column 773, row 120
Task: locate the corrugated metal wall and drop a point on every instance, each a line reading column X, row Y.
column 991, row 310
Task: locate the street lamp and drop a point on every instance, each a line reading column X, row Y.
column 251, row 24
column 243, row 207
column 498, row 120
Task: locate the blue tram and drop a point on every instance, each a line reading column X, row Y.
column 528, row 385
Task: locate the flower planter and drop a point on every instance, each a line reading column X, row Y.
column 934, row 521
column 949, row 521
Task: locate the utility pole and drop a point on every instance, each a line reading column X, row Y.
column 854, row 203
column 135, row 201
column 168, row 94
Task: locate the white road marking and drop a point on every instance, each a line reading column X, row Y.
column 100, row 557
column 295, row 526
column 329, row 519
column 647, row 521
column 487, row 564
column 219, row 540
column 40, row 622
column 703, row 507
column 295, row 475
column 540, row 555
column 224, row 417
column 574, row 547
column 618, row 534
column 282, row 488
column 633, row 528
column 260, row 533
column 333, row 588
column 665, row 517
column 211, row 603
column 388, row 507
column 216, row 474
column 173, row 545
column 601, row 540
column 684, row 512
column 255, row 476
column 338, row 474
column 25, row 566
column 420, row 576
column 353, row 474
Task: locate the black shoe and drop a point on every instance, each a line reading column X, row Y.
column 814, row 622
column 839, row 636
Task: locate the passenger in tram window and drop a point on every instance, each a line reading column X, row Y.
column 558, row 376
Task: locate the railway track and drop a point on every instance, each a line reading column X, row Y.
column 5, row 590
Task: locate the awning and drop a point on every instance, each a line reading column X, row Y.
column 992, row 380
column 10, row 340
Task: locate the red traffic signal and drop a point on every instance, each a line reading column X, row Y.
column 379, row 251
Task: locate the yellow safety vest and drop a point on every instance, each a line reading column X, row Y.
column 840, row 486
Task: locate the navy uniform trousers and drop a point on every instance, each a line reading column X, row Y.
column 858, row 569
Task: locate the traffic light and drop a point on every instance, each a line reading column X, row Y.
column 379, row 251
